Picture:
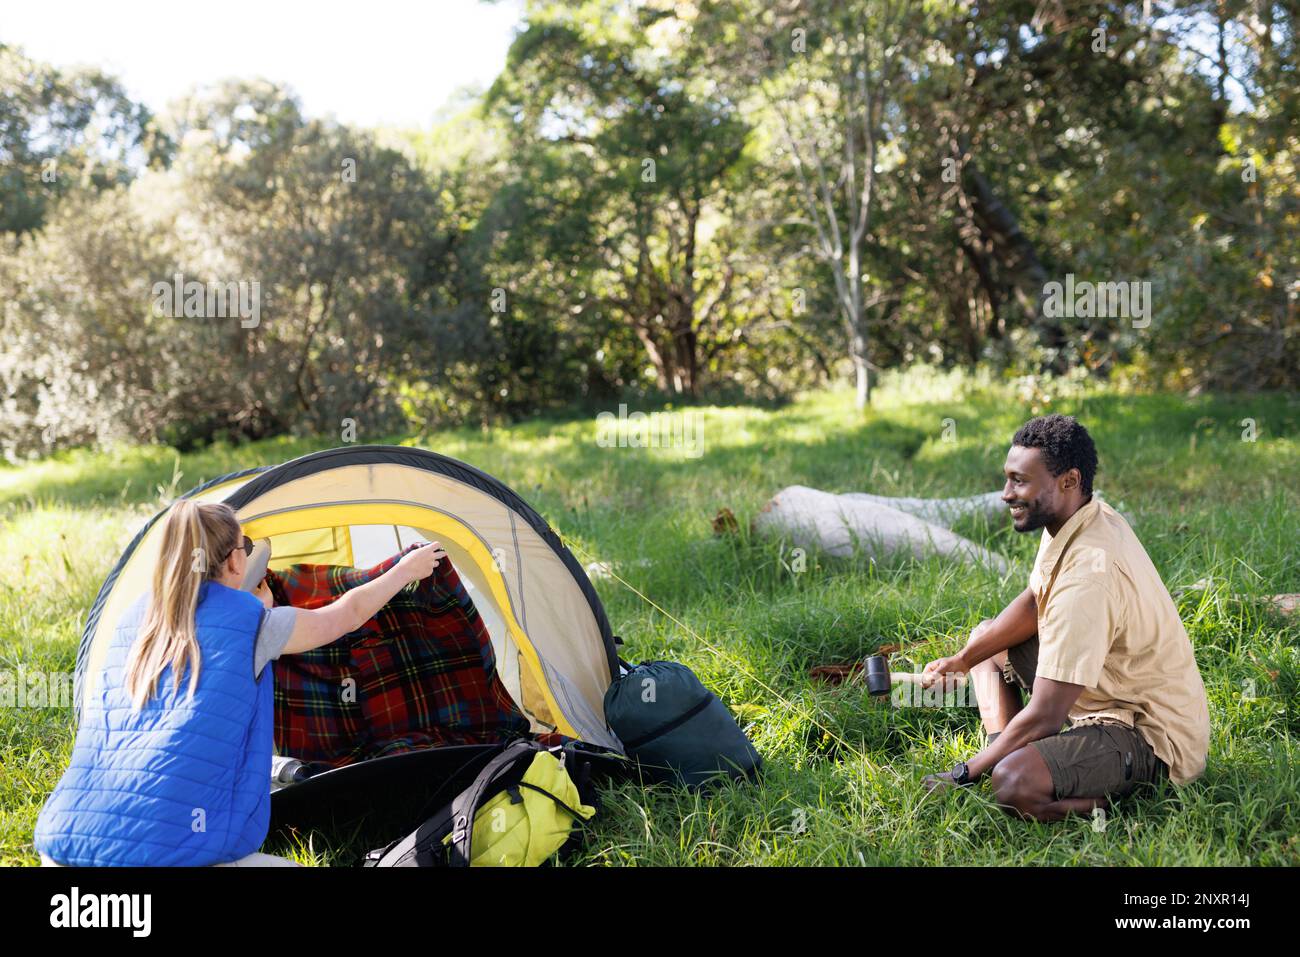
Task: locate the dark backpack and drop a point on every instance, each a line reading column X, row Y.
column 675, row 728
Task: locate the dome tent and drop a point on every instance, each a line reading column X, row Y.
column 357, row 506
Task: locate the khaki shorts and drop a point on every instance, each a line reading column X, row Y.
column 1105, row 759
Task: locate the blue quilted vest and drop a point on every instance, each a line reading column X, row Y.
column 179, row 782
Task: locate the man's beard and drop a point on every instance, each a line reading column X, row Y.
column 1036, row 517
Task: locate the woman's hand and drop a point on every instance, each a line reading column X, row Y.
column 263, row 592
column 422, row 560
column 320, row 626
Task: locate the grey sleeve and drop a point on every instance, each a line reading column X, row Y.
column 277, row 626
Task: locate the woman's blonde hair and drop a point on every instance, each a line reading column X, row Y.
column 197, row 538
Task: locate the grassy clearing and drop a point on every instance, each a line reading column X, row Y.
column 843, row 780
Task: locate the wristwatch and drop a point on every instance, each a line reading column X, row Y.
column 960, row 773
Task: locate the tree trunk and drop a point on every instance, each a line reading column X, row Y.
column 845, row 525
column 1015, row 252
column 656, row 356
column 862, row 371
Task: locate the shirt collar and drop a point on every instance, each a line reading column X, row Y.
column 1054, row 545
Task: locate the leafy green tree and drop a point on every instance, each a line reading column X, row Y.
column 615, row 95
column 334, row 239
column 62, row 129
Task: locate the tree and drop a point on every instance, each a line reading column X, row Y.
column 827, row 73
column 617, row 96
column 334, row 240
column 60, row 129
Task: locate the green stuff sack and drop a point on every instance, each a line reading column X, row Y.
column 675, row 728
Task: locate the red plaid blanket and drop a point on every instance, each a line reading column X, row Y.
column 420, row 674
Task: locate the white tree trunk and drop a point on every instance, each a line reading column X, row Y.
column 941, row 511
column 863, row 395
column 841, row 525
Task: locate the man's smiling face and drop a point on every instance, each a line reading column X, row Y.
column 1032, row 492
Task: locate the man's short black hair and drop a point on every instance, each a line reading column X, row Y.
column 1065, row 445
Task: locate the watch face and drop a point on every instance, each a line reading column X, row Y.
column 959, row 772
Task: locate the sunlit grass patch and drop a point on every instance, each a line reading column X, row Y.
column 1218, row 514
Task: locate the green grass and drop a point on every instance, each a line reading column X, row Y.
column 843, row 780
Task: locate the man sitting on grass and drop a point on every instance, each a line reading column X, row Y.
column 1095, row 638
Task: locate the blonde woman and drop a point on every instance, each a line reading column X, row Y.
column 172, row 761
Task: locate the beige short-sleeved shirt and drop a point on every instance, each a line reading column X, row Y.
column 1107, row 622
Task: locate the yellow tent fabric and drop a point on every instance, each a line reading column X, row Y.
column 356, row 506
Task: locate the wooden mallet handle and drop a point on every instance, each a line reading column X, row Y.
column 880, row 679
column 914, row 677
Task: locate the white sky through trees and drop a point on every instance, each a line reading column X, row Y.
column 372, row 63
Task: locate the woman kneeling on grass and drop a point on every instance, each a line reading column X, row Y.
column 161, row 777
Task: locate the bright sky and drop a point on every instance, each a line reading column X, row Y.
column 367, row 62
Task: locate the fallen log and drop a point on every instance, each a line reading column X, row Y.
column 841, row 525
column 940, row 511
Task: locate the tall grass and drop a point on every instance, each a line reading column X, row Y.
column 1218, row 514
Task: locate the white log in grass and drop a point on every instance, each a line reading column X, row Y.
column 946, row 511
column 842, row 524
column 941, row 511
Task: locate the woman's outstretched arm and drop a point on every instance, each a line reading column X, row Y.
column 319, row 626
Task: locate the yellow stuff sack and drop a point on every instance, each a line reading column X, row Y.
column 520, row 809
column 524, row 825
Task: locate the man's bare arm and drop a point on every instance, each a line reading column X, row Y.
column 1048, row 709
column 1014, row 624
